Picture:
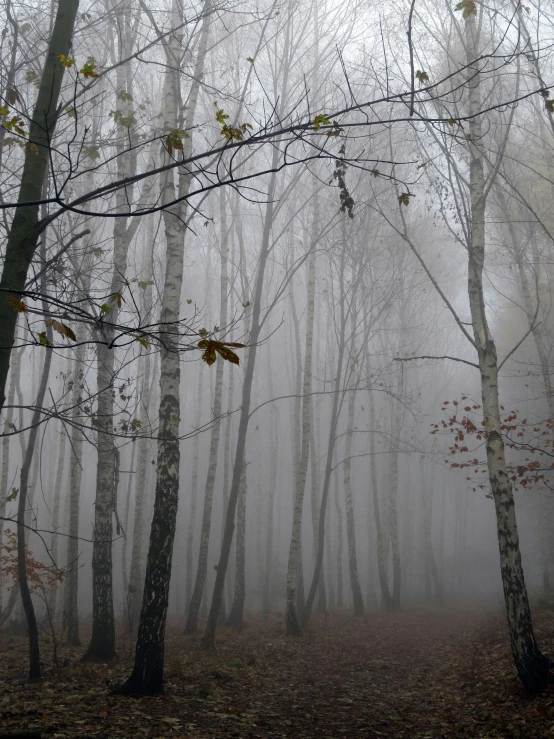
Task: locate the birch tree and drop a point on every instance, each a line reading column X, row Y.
column 147, row 677
column 531, row 665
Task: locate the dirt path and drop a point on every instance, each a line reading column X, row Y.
column 407, row 675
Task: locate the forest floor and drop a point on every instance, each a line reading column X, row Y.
column 414, row 674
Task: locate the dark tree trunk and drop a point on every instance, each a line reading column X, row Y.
column 335, row 410
column 102, row 644
column 340, row 602
column 237, row 609
column 24, row 233
column 147, row 675
column 348, row 497
column 300, row 595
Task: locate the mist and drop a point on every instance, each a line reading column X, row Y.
column 276, row 399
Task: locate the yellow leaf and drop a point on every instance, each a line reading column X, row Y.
column 67, row 62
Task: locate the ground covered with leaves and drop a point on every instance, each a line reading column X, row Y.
column 413, row 674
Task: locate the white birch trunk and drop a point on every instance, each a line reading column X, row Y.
column 531, row 665
column 147, row 676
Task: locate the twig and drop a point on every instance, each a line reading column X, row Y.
column 411, row 48
column 453, row 359
column 519, row 343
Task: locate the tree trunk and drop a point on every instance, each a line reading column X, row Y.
column 194, row 606
column 431, row 572
column 71, row 590
column 397, row 415
column 208, row 640
column 350, row 525
column 331, row 596
column 536, row 327
column 237, row 609
column 62, row 445
column 542, row 504
column 227, row 592
column 295, row 551
column 102, row 644
column 22, row 239
column 194, row 489
column 83, row 274
column 273, row 452
column 321, row 590
column 147, row 676
column 331, row 440
column 530, row 663
column 136, row 579
column 340, row 601
column 125, row 525
column 386, row 600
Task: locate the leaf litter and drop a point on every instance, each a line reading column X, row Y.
column 417, row 675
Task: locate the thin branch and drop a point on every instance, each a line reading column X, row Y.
column 411, row 49
column 516, row 347
column 446, row 356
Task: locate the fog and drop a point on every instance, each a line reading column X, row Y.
column 276, row 335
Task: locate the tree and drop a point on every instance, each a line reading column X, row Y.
column 291, row 617
column 147, row 676
column 24, row 232
column 347, row 479
column 194, row 604
column 530, row 663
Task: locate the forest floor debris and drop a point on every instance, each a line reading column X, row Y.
column 420, row 674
